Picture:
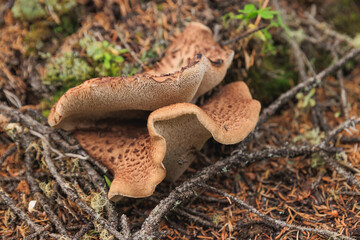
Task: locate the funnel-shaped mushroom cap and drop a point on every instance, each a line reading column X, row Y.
column 136, row 155
column 193, row 64
column 196, row 39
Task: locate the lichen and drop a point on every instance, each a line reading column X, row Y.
column 97, row 202
column 68, row 69
column 47, row 188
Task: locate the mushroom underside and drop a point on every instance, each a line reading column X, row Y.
column 138, row 155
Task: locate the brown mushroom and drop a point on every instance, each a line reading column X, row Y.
column 192, row 65
column 136, row 154
column 135, row 151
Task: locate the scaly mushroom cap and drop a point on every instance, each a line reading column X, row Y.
column 193, row 64
column 196, row 38
column 136, row 155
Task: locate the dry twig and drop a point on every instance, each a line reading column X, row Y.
column 351, row 178
column 12, row 205
column 310, row 82
column 42, row 200
column 73, row 196
column 340, row 78
column 244, row 35
column 274, row 222
column 187, row 189
column 8, row 152
column 123, row 41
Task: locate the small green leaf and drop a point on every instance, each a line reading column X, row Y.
column 266, row 14
column 248, row 8
column 46, row 113
column 267, row 34
column 252, row 15
column 227, row 18
column 90, row 50
column 99, row 54
column 107, row 56
column 105, row 43
column 124, row 50
column 240, row 16
column 107, row 64
column 119, row 59
column 107, row 180
column 274, row 23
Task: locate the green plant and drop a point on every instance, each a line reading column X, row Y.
column 47, row 19
column 67, row 26
column 107, row 57
column 250, row 12
column 108, row 181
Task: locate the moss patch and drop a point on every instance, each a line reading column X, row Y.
column 272, row 77
column 344, row 16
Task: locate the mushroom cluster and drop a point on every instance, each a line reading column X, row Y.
column 143, row 128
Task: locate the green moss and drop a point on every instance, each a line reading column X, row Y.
column 46, row 20
column 68, row 70
column 344, row 15
column 35, row 38
column 67, row 26
column 61, row 7
column 274, row 76
column 320, row 59
column 28, row 10
column 159, row 7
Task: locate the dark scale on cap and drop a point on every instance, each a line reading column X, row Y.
column 217, row 62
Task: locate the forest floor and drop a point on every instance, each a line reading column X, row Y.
column 297, row 176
